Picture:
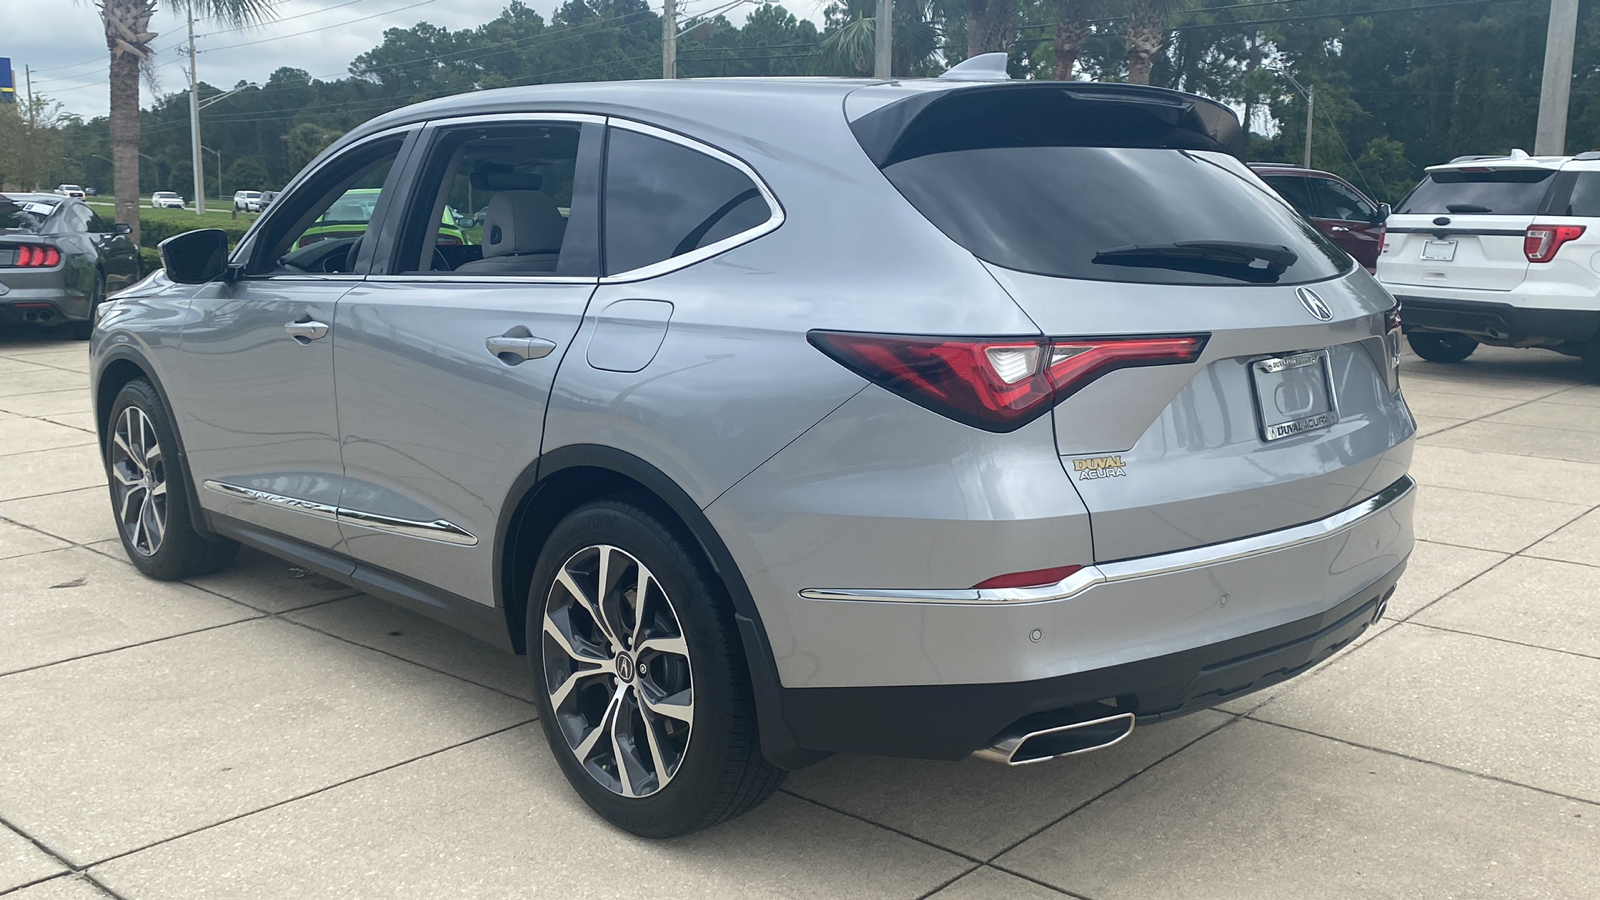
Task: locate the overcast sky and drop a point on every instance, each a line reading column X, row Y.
column 64, row 43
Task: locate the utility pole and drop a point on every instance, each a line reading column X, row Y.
column 27, row 73
column 194, row 128
column 1311, row 105
column 669, row 39
column 1550, row 137
column 883, row 30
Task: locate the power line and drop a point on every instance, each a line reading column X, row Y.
column 1351, row 14
column 282, row 20
column 323, row 28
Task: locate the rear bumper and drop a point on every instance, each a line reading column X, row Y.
column 1157, row 636
column 51, row 304
column 1498, row 321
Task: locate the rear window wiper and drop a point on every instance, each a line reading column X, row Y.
column 1467, row 208
column 1229, row 259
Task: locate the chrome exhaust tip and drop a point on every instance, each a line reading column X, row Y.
column 1022, row 747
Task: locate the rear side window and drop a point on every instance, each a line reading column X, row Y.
column 1584, row 199
column 663, row 200
column 1293, row 188
column 1336, row 201
column 1506, row 192
column 1162, row 216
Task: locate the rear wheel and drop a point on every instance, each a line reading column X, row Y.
column 97, row 296
column 639, row 676
column 149, row 491
column 1591, row 360
column 1438, row 347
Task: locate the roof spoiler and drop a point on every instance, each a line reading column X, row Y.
column 1045, row 113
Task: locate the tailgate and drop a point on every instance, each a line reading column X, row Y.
column 1171, row 457
column 1480, row 252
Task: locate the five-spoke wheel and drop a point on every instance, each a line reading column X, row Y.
column 617, row 670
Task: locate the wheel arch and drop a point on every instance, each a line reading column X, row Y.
column 565, row 478
column 122, row 365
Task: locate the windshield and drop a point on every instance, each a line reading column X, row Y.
column 26, row 215
column 1506, row 192
column 1078, row 212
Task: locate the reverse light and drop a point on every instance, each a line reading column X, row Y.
column 1034, row 578
column 996, row 384
column 36, row 256
column 1542, row 241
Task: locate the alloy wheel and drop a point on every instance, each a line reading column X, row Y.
column 139, row 481
column 617, row 672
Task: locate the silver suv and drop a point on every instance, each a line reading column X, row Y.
column 773, row 419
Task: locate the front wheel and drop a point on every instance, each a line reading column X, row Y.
column 1440, row 347
column 639, row 676
column 149, row 491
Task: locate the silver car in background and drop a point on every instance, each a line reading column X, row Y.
column 773, row 419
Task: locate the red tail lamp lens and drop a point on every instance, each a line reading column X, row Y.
column 1542, row 241
column 1034, row 578
column 34, row 256
column 997, row 384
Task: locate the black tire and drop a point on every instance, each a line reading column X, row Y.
column 1440, row 347
column 720, row 772
column 174, row 549
column 1591, row 361
column 97, row 296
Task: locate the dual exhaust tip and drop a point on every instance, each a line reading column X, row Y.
column 1052, row 735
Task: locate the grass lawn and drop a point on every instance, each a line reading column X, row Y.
column 217, row 213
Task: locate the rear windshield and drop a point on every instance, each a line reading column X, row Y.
column 1505, row 192
column 24, row 215
column 1161, row 216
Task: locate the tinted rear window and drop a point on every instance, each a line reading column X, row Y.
column 1506, row 192
column 1052, row 210
column 25, row 215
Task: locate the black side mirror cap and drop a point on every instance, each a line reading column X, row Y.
column 1383, row 213
column 122, row 228
column 195, row 257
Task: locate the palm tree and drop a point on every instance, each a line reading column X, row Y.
column 1072, row 34
column 991, row 26
column 128, row 38
column 852, row 47
column 1146, row 32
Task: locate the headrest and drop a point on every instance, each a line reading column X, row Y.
column 488, row 176
column 522, row 222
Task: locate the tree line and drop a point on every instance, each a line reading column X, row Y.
column 1400, row 84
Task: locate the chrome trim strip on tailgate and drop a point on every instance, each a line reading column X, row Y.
column 438, row 530
column 1442, row 230
column 1142, row 567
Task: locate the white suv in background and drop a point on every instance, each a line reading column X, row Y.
column 247, row 201
column 1501, row 250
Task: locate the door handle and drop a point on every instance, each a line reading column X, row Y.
column 305, row 330
column 1338, row 229
column 514, row 349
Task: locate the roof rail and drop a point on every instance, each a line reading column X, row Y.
column 983, row 67
column 1588, row 155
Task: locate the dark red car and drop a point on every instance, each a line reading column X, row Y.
column 1343, row 213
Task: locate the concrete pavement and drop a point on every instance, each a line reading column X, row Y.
column 266, row 732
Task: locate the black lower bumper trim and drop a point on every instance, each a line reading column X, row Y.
column 951, row 721
column 1498, row 321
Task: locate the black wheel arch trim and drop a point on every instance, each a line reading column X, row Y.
column 131, row 354
column 778, row 743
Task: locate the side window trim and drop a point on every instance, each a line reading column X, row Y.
column 246, row 248
column 427, row 140
column 672, row 264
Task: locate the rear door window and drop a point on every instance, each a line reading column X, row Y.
column 1151, row 215
column 1340, row 202
column 1507, row 192
column 664, row 200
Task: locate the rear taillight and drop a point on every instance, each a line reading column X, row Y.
column 1542, row 241
column 446, row 240
column 997, row 384
column 37, row 256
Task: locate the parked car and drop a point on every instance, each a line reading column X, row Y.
column 351, row 214
column 266, row 199
column 247, row 201
column 1346, row 215
column 59, row 259
column 70, row 190
column 165, row 200
column 91, row 192
column 923, row 418
column 1499, row 250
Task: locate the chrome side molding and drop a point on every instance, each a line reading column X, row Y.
column 437, row 530
column 1143, row 567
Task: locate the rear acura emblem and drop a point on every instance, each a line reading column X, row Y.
column 1313, row 304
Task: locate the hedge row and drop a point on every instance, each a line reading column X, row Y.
column 153, row 230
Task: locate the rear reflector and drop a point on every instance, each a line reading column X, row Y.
column 1542, row 241
column 997, row 384
column 1035, row 578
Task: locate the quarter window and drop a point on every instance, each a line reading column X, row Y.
column 663, row 200
column 1339, row 202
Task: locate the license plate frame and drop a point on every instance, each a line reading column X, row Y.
column 1439, row 251
column 1294, row 394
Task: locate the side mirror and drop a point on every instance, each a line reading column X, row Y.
column 195, row 257
column 1382, row 215
column 122, row 228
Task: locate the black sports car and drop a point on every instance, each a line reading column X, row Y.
column 59, row 259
